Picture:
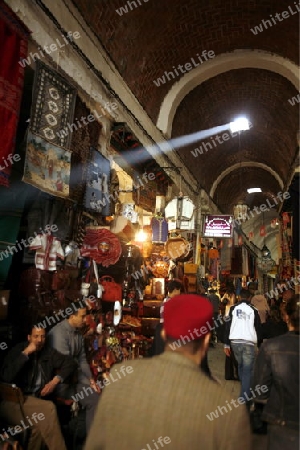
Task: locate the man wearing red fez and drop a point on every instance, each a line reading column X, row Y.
column 166, row 401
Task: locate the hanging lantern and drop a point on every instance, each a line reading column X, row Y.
column 240, row 240
column 266, row 252
column 250, row 235
column 262, row 231
column 273, row 223
column 240, row 211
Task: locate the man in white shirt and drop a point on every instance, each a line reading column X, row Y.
column 243, row 332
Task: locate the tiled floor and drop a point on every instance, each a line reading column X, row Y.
column 216, row 359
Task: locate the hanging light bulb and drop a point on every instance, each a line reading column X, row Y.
column 265, row 252
column 140, row 236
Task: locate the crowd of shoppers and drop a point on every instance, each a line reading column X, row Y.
column 261, row 344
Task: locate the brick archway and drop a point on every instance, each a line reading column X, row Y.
column 239, row 59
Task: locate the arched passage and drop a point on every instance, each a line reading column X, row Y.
column 244, row 164
column 222, row 63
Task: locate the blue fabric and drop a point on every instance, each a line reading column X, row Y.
column 238, row 287
column 245, row 355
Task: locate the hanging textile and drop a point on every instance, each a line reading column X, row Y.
column 48, row 248
column 83, row 138
column 159, row 227
column 47, row 166
column 213, row 253
column 97, row 195
column 53, row 103
column 13, row 38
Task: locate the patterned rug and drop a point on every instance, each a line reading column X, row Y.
column 53, row 103
column 13, row 38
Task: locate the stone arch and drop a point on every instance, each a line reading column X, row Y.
column 239, row 59
column 244, row 164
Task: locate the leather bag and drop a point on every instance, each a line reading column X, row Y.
column 112, row 290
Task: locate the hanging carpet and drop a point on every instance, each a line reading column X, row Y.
column 53, row 103
column 13, row 38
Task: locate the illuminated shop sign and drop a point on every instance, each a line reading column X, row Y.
column 218, row 226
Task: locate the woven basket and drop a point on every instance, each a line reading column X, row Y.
column 177, row 247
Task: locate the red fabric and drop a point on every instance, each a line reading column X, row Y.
column 13, row 38
column 90, row 247
column 183, row 313
column 262, row 231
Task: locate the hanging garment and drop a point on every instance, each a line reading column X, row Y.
column 160, row 229
column 48, row 248
column 213, row 253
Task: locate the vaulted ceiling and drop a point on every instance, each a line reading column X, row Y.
column 251, row 74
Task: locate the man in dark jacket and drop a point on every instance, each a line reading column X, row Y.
column 36, row 370
column 277, row 369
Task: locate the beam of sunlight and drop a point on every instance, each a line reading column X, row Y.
column 172, row 144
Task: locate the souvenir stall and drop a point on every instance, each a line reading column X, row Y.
column 70, row 227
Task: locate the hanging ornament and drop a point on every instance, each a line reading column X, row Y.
column 250, row 235
column 273, row 223
column 285, row 219
column 262, row 231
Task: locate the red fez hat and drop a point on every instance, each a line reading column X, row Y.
column 183, row 313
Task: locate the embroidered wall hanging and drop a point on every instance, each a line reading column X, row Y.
column 97, row 195
column 53, row 105
column 13, row 38
column 47, row 166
